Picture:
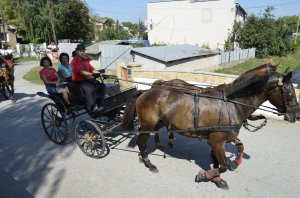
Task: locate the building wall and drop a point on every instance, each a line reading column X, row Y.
column 182, row 22
column 148, row 64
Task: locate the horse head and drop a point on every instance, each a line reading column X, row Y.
column 282, row 95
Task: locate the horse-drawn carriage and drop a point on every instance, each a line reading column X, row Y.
column 215, row 114
column 89, row 134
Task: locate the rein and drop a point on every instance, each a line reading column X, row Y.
column 182, row 89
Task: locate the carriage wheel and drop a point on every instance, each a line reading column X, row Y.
column 54, row 123
column 6, row 91
column 90, row 139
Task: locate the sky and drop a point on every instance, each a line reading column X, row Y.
column 135, row 10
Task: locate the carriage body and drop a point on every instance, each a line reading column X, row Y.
column 89, row 134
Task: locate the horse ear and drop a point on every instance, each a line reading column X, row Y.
column 287, row 77
column 287, row 70
column 270, row 61
column 276, row 66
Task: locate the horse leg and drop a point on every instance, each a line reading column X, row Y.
column 142, row 144
column 239, row 158
column 171, row 139
column 219, row 163
column 157, row 142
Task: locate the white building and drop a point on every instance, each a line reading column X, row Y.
column 196, row 22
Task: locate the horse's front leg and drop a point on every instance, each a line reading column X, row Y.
column 142, row 144
column 219, row 162
column 239, row 157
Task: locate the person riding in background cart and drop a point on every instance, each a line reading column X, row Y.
column 84, row 75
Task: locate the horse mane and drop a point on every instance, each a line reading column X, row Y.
column 253, row 80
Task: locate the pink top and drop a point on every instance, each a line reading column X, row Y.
column 50, row 75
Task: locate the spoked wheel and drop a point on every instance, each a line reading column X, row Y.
column 90, row 139
column 54, row 123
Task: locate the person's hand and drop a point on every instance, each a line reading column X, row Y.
column 57, row 84
column 96, row 75
column 102, row 71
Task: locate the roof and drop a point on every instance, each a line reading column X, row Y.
column 174, row 52
column 94, row 49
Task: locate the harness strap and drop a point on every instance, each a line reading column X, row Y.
column 196, row 111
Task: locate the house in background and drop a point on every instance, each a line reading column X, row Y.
column 178, row 57
column 8, row 34
column 197, row 22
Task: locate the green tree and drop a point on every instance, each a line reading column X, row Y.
column 112, row 34
column 267, row 35
column 133, row 27
column 75, row 21
column 31, row 18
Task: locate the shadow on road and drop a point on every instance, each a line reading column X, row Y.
column 26, row 152
column 186, row 148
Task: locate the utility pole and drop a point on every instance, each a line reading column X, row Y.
column 49, row 4
column 3, row 27
column 297, row 29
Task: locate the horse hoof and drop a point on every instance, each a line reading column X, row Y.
column 234, row 165
column 200, row 177
column 222, row 184
column 153, row 169
column 160, row 147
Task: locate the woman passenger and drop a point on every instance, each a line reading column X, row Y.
column 51, row 81
column 65, row 69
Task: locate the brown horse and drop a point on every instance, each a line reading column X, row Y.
column 7, row 78
column 216, row 114
column 185, row 86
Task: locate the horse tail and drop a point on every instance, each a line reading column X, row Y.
column 130, row 111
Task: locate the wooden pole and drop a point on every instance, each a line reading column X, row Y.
column 49, row 4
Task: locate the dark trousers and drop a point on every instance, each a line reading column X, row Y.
column 93, row 90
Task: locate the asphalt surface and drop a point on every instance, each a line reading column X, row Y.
column 32, row 166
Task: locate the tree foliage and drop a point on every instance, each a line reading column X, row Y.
column 31, row 18
column 268, row 35
column 113, row 34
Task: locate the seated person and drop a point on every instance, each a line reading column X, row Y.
column 84, row 75
column 51, row 81
column 65, row 69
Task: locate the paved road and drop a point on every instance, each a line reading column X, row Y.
column 32, row 166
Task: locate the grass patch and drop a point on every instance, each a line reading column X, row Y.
column 33, row 75
column 291, row 60
column 26, row 59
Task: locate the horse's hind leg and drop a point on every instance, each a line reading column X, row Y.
column 239, row 158
column 171, row 139
column 142, row 144
column 157, row 142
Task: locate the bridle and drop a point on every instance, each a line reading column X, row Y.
column 286, row 96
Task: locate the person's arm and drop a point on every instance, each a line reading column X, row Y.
column 48, row 82
column 62, row 73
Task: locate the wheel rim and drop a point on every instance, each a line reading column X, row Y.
column 90, row 139
column 54, row 124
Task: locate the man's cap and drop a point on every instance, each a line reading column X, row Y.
column 80, row 47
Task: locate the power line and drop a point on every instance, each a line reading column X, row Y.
column 274, row 5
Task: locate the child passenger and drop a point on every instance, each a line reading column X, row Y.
column 51, row 80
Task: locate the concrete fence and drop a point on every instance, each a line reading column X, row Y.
column 236, row 55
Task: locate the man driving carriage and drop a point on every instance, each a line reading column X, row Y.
column 84, row 76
